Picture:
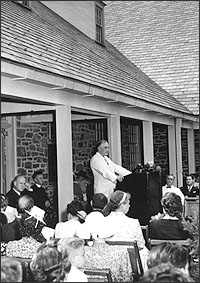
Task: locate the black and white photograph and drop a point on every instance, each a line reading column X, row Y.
column 99, row 141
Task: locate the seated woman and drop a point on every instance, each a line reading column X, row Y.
column 169, row 225
column 75, row 249
column 76, row 215
column 48, row 263
column 124, row 227
column 165, row 272
column 172, row 253
column 31, row 222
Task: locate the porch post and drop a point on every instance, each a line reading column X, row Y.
column 179, row 172
column 191, row 151
column 148, row 141
column 172, row 152
column 64, row 158
column 114, row 139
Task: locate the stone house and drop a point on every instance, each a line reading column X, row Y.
column 64, row 87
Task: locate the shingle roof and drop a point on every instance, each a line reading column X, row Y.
column 162, row 39
column 27, row 38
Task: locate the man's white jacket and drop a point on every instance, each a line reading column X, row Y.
column 104, row 171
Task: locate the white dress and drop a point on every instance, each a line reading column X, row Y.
column 126, row 228
column 66, row 229
column 76, row 275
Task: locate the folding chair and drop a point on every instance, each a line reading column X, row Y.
column 134, row 255
column 98, row 275
column 154, row 242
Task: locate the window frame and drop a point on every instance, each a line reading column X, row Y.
column 99, row 24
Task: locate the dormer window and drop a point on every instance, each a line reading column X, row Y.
column 99, row 24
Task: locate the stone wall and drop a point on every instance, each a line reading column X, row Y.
column 196, row 148
column 85, row 134
column 160, row 144
column 32, row 150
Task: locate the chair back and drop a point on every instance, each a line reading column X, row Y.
column 121, row 243
column 134, row 256
column 98, row 275
column 145, row 232
column 154, row 242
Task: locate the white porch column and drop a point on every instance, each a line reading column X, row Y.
column 179, row 174
column 148, row 141
column 172, row 152
column 191, row 151
column 64, row 158
column 114, row 139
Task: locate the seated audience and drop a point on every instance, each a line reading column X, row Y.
column 190, row 189
column 48, row 263
column 165, row 272
column 124, row 227
column 176, row 255
column 95, row 225
column 75, row 249
column 11, row 270
column 76, row 215
column 170, row 188
column 31, row 221
column 169, row 225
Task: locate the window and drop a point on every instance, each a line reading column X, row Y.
column 99, row 24
column 131, row 143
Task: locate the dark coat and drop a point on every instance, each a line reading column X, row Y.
column 193, row 193
column 11, row 231
column 13, row 197
column 39, row 196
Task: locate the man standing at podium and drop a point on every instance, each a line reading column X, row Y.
column 190, row 190
column 106, row 173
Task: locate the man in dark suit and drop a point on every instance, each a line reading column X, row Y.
column 38, row 192
column 190, row 190
column 41, row 199
column 18, row 188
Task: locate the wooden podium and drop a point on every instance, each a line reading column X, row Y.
column 191, row 206
column 145, row 190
